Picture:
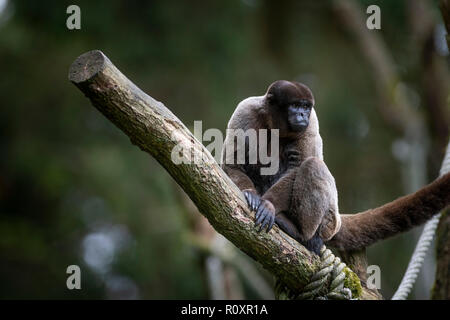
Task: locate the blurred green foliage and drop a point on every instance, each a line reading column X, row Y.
column 74, row 190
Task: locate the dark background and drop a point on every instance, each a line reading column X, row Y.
column 74, row 190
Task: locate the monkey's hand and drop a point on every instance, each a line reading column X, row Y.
column 265, row 211
column 293, row 157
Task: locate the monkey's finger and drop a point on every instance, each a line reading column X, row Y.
column 248, row 197
column 250, row 200
column 260, row 214
column 256, row 202
column 272, row 222
column 268, row 223
column 266, row 220
column 257, row 215
column 259, row 210
column 260, row 218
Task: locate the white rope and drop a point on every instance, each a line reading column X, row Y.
column 331, row 271
column 328, row 283
column 422, row 246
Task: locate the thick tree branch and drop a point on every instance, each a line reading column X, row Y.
column 154, row 129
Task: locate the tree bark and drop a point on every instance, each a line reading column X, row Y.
column 157, row 131
column 357, row 261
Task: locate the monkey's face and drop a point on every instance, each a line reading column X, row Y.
column 292, row 102
column 298, row 115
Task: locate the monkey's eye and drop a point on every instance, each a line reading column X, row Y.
column 305, row 104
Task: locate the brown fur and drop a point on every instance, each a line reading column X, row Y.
column 303, row 191
column 303, row 173
column 363, row 229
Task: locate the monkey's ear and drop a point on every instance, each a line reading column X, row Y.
column 270, row 97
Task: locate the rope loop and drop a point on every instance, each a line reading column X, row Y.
column 331, row 271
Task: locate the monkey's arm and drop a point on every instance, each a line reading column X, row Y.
column 280, row 193
column 363, row 229
column 288, row 226
column 264, row 210
column 239, row 178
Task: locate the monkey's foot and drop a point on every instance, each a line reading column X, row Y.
column 330, row 225
column 264, row 209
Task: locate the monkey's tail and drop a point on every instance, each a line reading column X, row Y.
column 415, row 264
column 363, row 229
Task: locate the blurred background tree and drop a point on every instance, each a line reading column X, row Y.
column 73, row 190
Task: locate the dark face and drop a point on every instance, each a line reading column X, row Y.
column 292, row 102
column 298, row 115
